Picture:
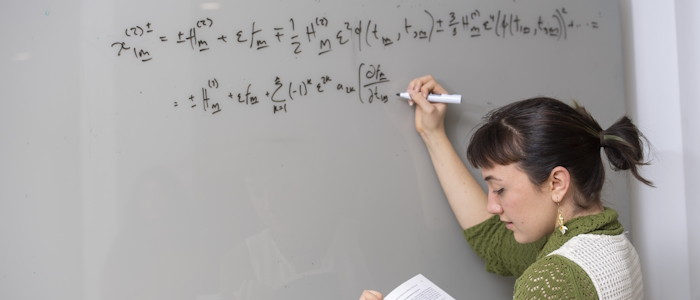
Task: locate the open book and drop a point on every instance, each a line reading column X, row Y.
column 418, row 288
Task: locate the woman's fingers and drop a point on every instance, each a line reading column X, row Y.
column 430, row 86
column 371, row 295
column 421, row 101
column 424, row 85
column 440, row 90
column 417, row 83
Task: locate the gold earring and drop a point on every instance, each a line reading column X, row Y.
column 562, row 228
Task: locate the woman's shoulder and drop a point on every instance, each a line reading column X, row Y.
column 554, row 277
column 587, row 266
column 610, row 261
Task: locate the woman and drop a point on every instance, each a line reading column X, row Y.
column 542, row 219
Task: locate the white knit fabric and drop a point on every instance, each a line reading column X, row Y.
column 610, row 261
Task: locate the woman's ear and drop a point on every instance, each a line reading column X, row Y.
column 559, row 182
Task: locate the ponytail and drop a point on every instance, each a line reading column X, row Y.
column 622, row 143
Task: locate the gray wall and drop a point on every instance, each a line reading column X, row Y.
column 110, row 190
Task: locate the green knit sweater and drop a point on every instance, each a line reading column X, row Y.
column 540, row 276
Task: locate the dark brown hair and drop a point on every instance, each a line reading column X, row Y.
column 540, row 134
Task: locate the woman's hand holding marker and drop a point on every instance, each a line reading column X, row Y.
column 429, row 116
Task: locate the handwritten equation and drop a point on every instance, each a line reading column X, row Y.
column 322, row 35
column 317, row 36
column 283, row 92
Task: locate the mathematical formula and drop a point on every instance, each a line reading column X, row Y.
column 283, row 92
column 321, row 35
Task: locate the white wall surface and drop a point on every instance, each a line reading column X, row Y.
column 688, row 35
column 661, row 69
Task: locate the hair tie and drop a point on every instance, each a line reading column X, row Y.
column 602, row 139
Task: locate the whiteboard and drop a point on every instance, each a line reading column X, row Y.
column 234, row 150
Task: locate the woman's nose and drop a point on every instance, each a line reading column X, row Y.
column 493, row 206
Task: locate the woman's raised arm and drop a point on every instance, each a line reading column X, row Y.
column 466, row 197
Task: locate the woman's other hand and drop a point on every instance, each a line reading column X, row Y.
column 371, row 295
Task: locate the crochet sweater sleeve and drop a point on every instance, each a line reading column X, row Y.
column 554, row 277
column 493, row 242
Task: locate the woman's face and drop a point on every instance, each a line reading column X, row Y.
column 528, row 211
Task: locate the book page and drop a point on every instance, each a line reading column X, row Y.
column 418, row 288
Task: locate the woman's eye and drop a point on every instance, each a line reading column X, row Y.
column 499, row 191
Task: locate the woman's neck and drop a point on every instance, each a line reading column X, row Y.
column 575, row 211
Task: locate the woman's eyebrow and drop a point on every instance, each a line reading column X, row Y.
column 491, row 177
